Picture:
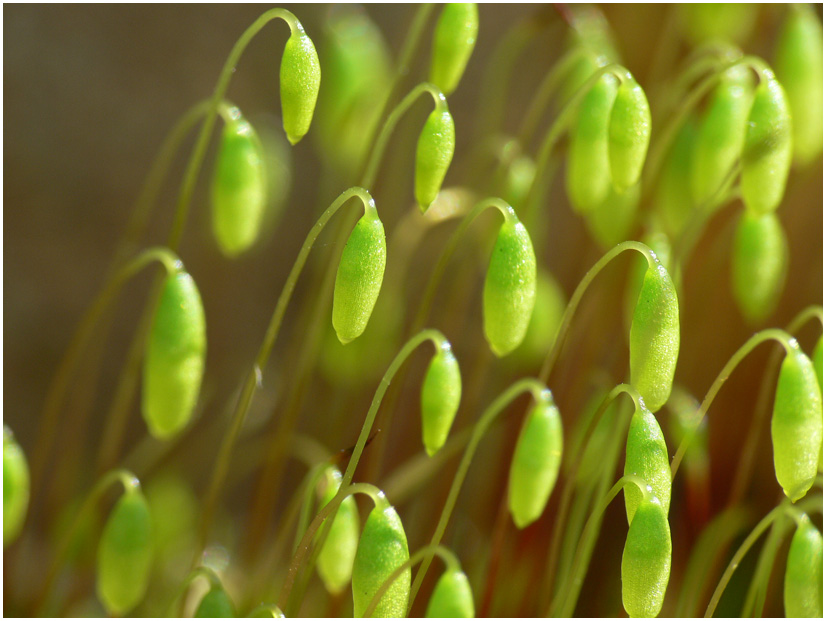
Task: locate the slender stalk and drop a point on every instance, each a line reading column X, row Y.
column 308, row 486
column 756, row 595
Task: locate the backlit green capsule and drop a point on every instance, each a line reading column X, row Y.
column 758, row 264
column 453, row 43
column 239, row 188
column 629, row 131
column 518, row 181
column 510, row 288
column 646, row 456
column 535, row 464
column 359, row 277
column 215, row 604
column 545, row 319
column 15, row 487
column 588, row 177
column 125, row 554
column 174, row 361
column 646, row 560
column 797, row 425
column 672, row 198
column 613, row 219
column 382, row 549
column 800, row 70
column 452, row 598
column 335, row 561
column 720, row 136
column 300, row 80
column 441, row 394
column 767, row 151
column 434, row 153
column 803, row 583
column 655, row 337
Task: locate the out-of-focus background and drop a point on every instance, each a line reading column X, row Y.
column 90, row 93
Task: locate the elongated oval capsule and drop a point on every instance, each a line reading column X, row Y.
column 453, row 43
column 721, row 133
column 758, row 264
column 510, row 288
column 16, row 482
column 359, row 277
column 654, row 340
column 216, row 604
column 646, row 456
column 441, row 394
column 452, row 598
column 673, row 200
column 646, row 560
column 381, row 550
column 174, row 361
column 125, row 554
column 335, row 561
column 588, row 177
column 535, row 464
column 434, row 152
column 800, row 69
column 767, row 151
column 300, row 80
column 547, row 315
column 612, row 220
column 797, row 425
column 239, row 188
column 629, row 131
column 803, row 582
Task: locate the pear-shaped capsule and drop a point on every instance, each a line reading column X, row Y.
column 125, row 554
column 434, row 152
column 15, row 487
column 655, row 337
column 646, row 560
column 758, row 264
column 510, row 288
column 239, row 188
column 174, row 361
column 300, row 80
column 216, row 604
column 359, row 277
column 452, row 597
column 767, row 151
column 335, row 561
column 646, row 456
column 629, row 131
column 535, row 464
column 453, row 43
column 797, row 425
column 441, row 394
column 382, row 549
column 803, row 583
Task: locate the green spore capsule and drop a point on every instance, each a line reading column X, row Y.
column 215, row 604
column 758, row 265
column 767, row 151
column 300, row 80
column 335, row 561
column 510, row 288
column 673, row 200
column 547, row 315
column 646, row 560
column 174, row 361
column 452, row 598
column 16, row 483
column 125, row 554
column 817, row 361
column 797, row 425
column 434, row 152
column 535, row 464
column 629, row 131
column 381, row 550
column 720, row 136
column 518, row 181
column 654, row 340
column 359, row 277
column 239, row 188
column 803, row 583
column 612, row 220
column 441, row 394
column 453, row 43
column 727, row 21
column 588, row 178
column 800, row 69
column 646, row 456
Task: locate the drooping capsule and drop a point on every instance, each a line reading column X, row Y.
column 547, row 314
column 646, row 456
column 434, row 152
column 15, row 487
column 453, row 43
column 510, row 288
column 359, row 277
column 629, row 131
column 646, row 560
column 672, row 198
column 441, row 394
column 797, row 425
column 300, row 80
column 335, row 561
column 174, row 360
column 452, row 597
column 614, row 218
column 803, row 582
column 215, row 604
